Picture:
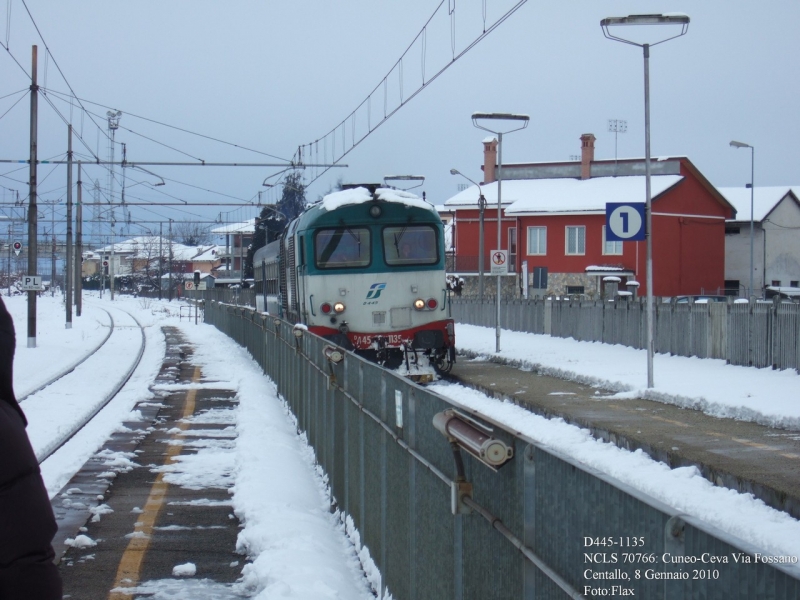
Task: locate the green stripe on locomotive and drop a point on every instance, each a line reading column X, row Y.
column 358, row 216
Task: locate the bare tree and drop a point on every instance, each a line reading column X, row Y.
column 190, row 233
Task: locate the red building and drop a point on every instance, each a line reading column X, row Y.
column 553, row 222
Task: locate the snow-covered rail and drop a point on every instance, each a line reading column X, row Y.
column 67, row 370
column 75, row 397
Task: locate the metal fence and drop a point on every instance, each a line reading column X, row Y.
column 526, row 538
column 762, row 334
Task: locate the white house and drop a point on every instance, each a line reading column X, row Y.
column 775, row 240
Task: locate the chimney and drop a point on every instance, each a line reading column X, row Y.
column 587, row 154
column 489, row 159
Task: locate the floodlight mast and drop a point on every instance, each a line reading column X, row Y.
column 735, row 144
column 668, row 19
column 524, row 120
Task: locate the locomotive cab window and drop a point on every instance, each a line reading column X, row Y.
column 342, row 247
column 410, row 245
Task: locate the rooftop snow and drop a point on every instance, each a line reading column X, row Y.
column 764, row 200
column 248, row 226
column 564, row 194
column 361, row 195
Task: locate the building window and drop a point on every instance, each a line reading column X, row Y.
column 776, row 283
column 732, row 287
column 732, row 230
column 611, row 247
column 575, row 289
column 576, row 240
column 537, row 241
column 794, row 283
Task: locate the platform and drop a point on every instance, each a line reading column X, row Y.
column 743, row 456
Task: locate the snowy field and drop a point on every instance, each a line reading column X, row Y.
column 287, row 523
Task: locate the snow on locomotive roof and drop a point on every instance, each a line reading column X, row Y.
column 360, row 195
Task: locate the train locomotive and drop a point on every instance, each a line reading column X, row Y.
column 364, row 268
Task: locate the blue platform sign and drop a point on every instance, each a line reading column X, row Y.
column 625, row 221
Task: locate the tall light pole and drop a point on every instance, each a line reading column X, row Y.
column 482, row 209
column 524, row 120
column 673, row 19
column 617, row 126
column 750, row 291
column 113, row 125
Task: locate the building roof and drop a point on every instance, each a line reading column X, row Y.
column 147, row 247
column 248, row 226
column 765, row 199
column 525, row 196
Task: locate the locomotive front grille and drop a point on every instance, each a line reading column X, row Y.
column 378, row 317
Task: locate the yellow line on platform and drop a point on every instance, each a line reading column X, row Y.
column 130, row 564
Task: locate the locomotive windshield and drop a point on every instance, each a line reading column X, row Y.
column 342, row 247
column 410, row 245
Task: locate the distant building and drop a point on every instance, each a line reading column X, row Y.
column 140, row 255
column 553, row 218
column 776, row 239
column 238, row 237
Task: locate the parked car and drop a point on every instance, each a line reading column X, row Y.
column 703, row 299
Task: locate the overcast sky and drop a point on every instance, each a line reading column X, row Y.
column 271, row 76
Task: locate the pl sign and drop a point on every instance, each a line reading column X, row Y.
column 625, row 221
column 31, row 283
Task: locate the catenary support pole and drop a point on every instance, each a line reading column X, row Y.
column 68, row 272
column 79, row 248
column 170, row 261
column 33, row 211
column 160, row 255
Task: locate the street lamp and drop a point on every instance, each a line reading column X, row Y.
column 482, row 208
column 735, row 144
column 524, row 119
column 670, row 19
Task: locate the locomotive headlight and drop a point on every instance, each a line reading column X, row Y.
column 375, row 211
column 338, row 307
column 419, row 303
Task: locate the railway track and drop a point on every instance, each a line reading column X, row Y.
column 66, row 371
column 72, row 390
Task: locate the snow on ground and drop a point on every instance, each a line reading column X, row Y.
column 761, row 395
column 296, row 546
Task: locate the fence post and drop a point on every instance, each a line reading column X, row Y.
column 529, row 520
column 548, row 316
column 384, row 565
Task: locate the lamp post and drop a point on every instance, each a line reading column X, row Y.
column 482, row 209
column 673, row 19
column 734, row 144
column 524, row 119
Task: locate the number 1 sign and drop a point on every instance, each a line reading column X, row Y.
column 625, row 221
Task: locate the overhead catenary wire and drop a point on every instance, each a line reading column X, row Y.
column 181, row 129
column 55, row 62
column 389, row 111
column 21, row 98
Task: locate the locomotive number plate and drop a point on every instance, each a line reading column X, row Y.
column 393, row 339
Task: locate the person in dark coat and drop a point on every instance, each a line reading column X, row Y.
column 27, row 524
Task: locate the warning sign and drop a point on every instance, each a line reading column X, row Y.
column 499, row 262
